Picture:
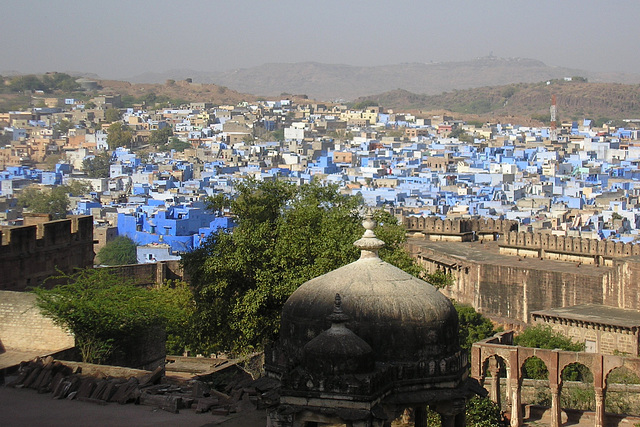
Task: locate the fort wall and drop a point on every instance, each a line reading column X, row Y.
column 23, row 327
column 565, row 248
column 524, row 244
column 508, row 290
column 31, row 253
column 149, row 274
column 458, row 226
column 508, row 293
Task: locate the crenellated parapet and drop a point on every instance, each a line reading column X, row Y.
column 550, row 246
column 461, row 229
column 31, row 253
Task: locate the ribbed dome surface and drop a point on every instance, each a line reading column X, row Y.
column 403, row 318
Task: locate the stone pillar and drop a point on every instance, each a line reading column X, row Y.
column 556, row 410
column 494, row 370
column 452, row 413
column 447, row 420
column 516, row 413
column 555, row 385
column 600, row 396
column 420, row 415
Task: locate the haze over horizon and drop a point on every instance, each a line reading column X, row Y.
column 119, row 39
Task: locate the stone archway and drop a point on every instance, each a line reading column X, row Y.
column 621, row 384
column 577, row 389
column 494, row 370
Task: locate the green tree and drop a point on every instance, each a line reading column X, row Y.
column 118, row 135
column 480, row 412
column 473, row 326
column 278, row 135
column 119, row 251
column 52, row 160
column 60, row 81
column 63, row 126
column 439, row 279
column 178, row 145
column 97, row 166
column 25, row 83
column 160, row 137
column 78, row 187
column 285, row 236
column 47, row 201
column 461, row 134
column 543, row 336
column 107, row 313
column 111, row 115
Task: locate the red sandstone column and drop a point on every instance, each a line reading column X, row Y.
column 600, row 396
column 514, row 387
column 494, row 369
column 516, row 415
column 555, row 384
column 556, row 410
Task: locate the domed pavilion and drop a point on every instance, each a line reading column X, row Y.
column 363, row 343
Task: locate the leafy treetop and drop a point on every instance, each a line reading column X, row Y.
column 119, row 251
column 285, row 236
column 106, row 312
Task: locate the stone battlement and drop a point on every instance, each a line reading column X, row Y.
column 463, row 229
column 31, row 253
column 577, row 249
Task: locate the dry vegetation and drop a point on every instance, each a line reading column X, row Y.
column 575, row 100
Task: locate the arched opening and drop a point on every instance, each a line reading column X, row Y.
column 623, row 392
column 577, row 388
column 494, row 374
column 535, row 382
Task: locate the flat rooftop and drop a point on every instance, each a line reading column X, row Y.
column 595, row 313
column 489, row 253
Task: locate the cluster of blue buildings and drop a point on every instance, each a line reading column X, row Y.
column 579, row 180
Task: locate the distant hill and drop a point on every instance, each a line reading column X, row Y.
column 177, row 91
column 337, row 81
column 575, row 100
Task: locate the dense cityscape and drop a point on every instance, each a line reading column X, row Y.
column 149, row 171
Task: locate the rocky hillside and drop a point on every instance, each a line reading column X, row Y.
column 337, row 81
column 575, row 100
column 180, row 91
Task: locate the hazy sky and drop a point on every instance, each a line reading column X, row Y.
column 118, row 39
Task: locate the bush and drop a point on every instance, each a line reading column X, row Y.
column 119, row 251
column 103, row 310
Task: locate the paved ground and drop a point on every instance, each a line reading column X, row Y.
column 27, row 408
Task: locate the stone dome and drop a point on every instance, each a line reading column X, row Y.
column 338, row 350
column 405, row 320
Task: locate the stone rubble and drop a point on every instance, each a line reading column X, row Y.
column 240, row 393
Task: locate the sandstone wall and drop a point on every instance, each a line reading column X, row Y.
column 564, row 245
column 151, row 273
column 436, row 225
column 29, row 254
column 509, row 293
column 22, row 327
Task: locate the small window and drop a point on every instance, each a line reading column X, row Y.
column 590, row 346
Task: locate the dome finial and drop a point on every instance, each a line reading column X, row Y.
column 337, row 305
column 369, row 243
column 338, row 315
